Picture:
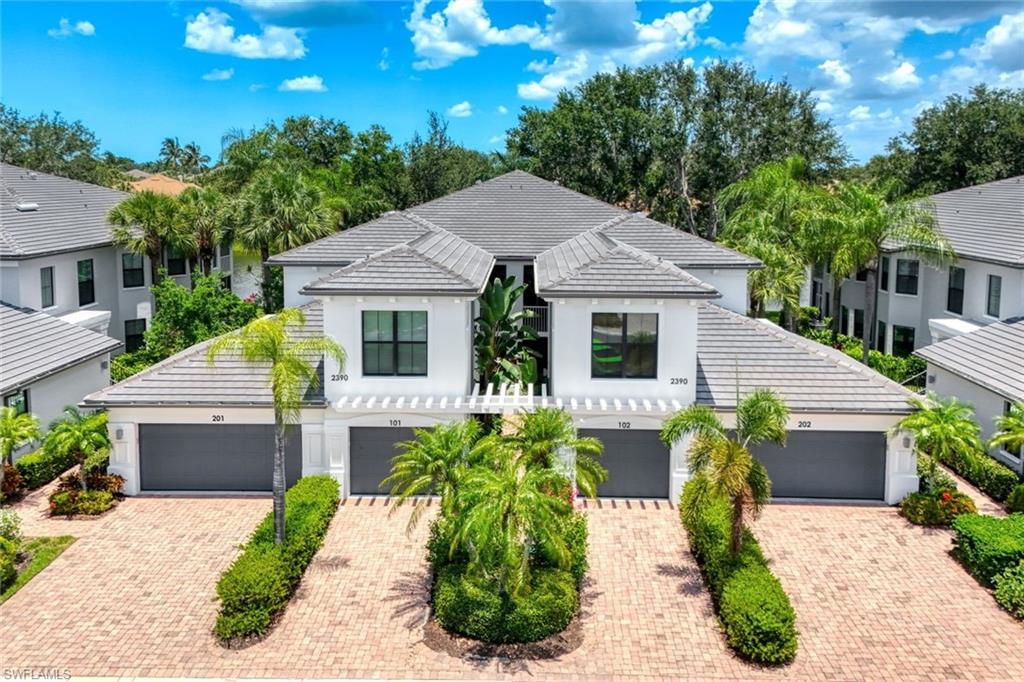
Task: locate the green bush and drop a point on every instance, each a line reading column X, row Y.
column 1010, row 590
column 88, row 502
column 257, row 585
column 993, row 478
column 1015, row 500
column 10, row 525
column 473, row 606
column 575, row 534
column 988, row 545
column 439, row 545
column 40, row 467
column 127, row 365
column 754, row 610
column 936, row 509
column 96, row 464
column 8, row 555
column 943, row 481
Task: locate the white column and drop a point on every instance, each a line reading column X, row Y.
column 313, row 460
column 900, row 467
column 679, row 471
column 124, row 454
column 336, row 440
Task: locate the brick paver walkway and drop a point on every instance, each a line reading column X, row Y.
column 876, row 598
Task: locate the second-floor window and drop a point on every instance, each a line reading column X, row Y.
column 132, row 274
column 955, row 292
column 175, row 262
column 395, row 342
column 902, row 340
column 883, row 281
column 46, row 287
column 995, row 295
column 86, row 283
column 134, row 334
column 906, row 276
column 624, row 345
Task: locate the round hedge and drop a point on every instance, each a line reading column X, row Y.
column 473, row 607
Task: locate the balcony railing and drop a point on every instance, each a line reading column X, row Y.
column 536, row 318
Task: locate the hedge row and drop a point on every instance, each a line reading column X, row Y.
column 42, row 466
column 990, row 476
column 754, row 610
column 260, row 581
column 988, row 545
column 1010, row 590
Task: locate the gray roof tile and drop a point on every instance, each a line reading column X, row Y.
column 34, row 345
column 992, row 357
column 354, row 243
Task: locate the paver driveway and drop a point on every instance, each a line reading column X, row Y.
column 876, row 599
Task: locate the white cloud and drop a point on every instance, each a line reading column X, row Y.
column 256, row 87
column 712, row 41
column 218, row 74
column 495, row 139
column 502, row 109
column 1003, row 44
column 460, row 110
column 303, row 84
column 210, row 31
column 903, row 77
column 385, row 63
column 945, row 54
column 65, row 28
column 860, row 113
column 835, row 70
column 457, row 31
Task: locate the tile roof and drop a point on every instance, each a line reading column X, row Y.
column 187, row 379
column 435, row 262
column 71, row 215
column 992, row 357
column 810, row 377
column 34, row 345
column 678, row 246
column 355, row 243
column 594, row 264
column 159, row 183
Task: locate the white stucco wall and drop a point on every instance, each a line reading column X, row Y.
column 49, row 396
column 731, row 283
column 296, row 277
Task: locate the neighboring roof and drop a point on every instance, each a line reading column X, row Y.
column 515, row 216
column 34, row 345
column 594, row 264
column 736, row 353
column 187, row 379
column 436, row 262
column 137, row 174
column 159, row 183
column 983, row 222
column 68, row 216
column 991, row 357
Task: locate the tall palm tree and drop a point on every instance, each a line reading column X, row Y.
column 146, row 223
column 501, row 338
column 16, row 430
column 204, row 213
column 79, row 435
column 1009, row 433
column 171, row 153
column 544, row 434
column 276, row 343
column 944, row 429
column 277, row 211
column 193, row 160
column 720, row 458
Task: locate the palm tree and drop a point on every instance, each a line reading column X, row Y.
column 193, row 160
column 16, row 430
column 204, row 213
column 278, row 210
column 543, row 435
column 171, row 153
column 146, row 223
column 505, row 510
column 944, row 429
column 272, row 342
column 502, row 353
column 79, row 435
column 720, row 458
column 1009, row 433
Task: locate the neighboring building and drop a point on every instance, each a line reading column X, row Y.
column 636, row 320
column 137, row 174
column 984, row 368
column 159, row 183
column 919, row 304
column 47, row 364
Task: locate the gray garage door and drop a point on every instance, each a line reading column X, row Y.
column 637, row 463
column 370, row 451
column 214, row 457
column 829, row 464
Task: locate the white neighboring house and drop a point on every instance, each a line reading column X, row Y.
column 984, row 368
column 919, row 304
column 636, row 320
column 47, row 363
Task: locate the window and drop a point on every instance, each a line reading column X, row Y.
column 858, row 323
column 880, row 339
column 395, row 342
column 883, row 283
column 46, row 287
column 624, row 345
column 175, row 262
column 844, row 320
column 19, row 401
column 225, row 249
column 955, row 292
column 86, row 284
column 828, row 304
column 133, row 334
column 995, row 294
column 132, row 274
column 902, row 340
column 906, row 276
column 1012, row 452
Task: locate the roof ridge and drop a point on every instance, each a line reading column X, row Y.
column 668, row 267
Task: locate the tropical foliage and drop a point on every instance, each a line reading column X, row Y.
column 78, row 435
column 1009, row 433
column 146, row 224
column 944, row 429
column 16, row 430
column 501, row 340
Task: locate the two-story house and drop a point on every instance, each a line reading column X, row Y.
column 638, row 319
column 919, row 304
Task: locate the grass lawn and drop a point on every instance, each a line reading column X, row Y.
column 42, row 552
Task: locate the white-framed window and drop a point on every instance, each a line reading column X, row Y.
column 995, row 294
column 133, row 273
column 394, row 343
column 955, row 290
column 18, row 400
column 883, row 276
column 906, row 276
column 86, row 283
column 46, row 294
column 624, row 346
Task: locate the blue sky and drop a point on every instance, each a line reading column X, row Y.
column 137, row 72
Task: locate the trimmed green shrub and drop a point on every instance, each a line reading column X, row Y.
column 40, row 467
column 936, row 509
column 943, row 481
column 439, row 545
column 548, row 607
column 575, row 534
column 260, row 581
column 754, row 610
column 8, row 554
column 988, row 545
column 96, row 464
column 468, row 605
column 1015, row 500
column 88, row 502
column 993, row 478
column 1010, row 590
column 10, row 525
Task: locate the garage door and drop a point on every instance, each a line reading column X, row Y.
column 214, row 457
column 829, row 464
column 370, row 451
column 637, row 463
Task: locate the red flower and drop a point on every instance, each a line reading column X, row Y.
column 946, row 496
